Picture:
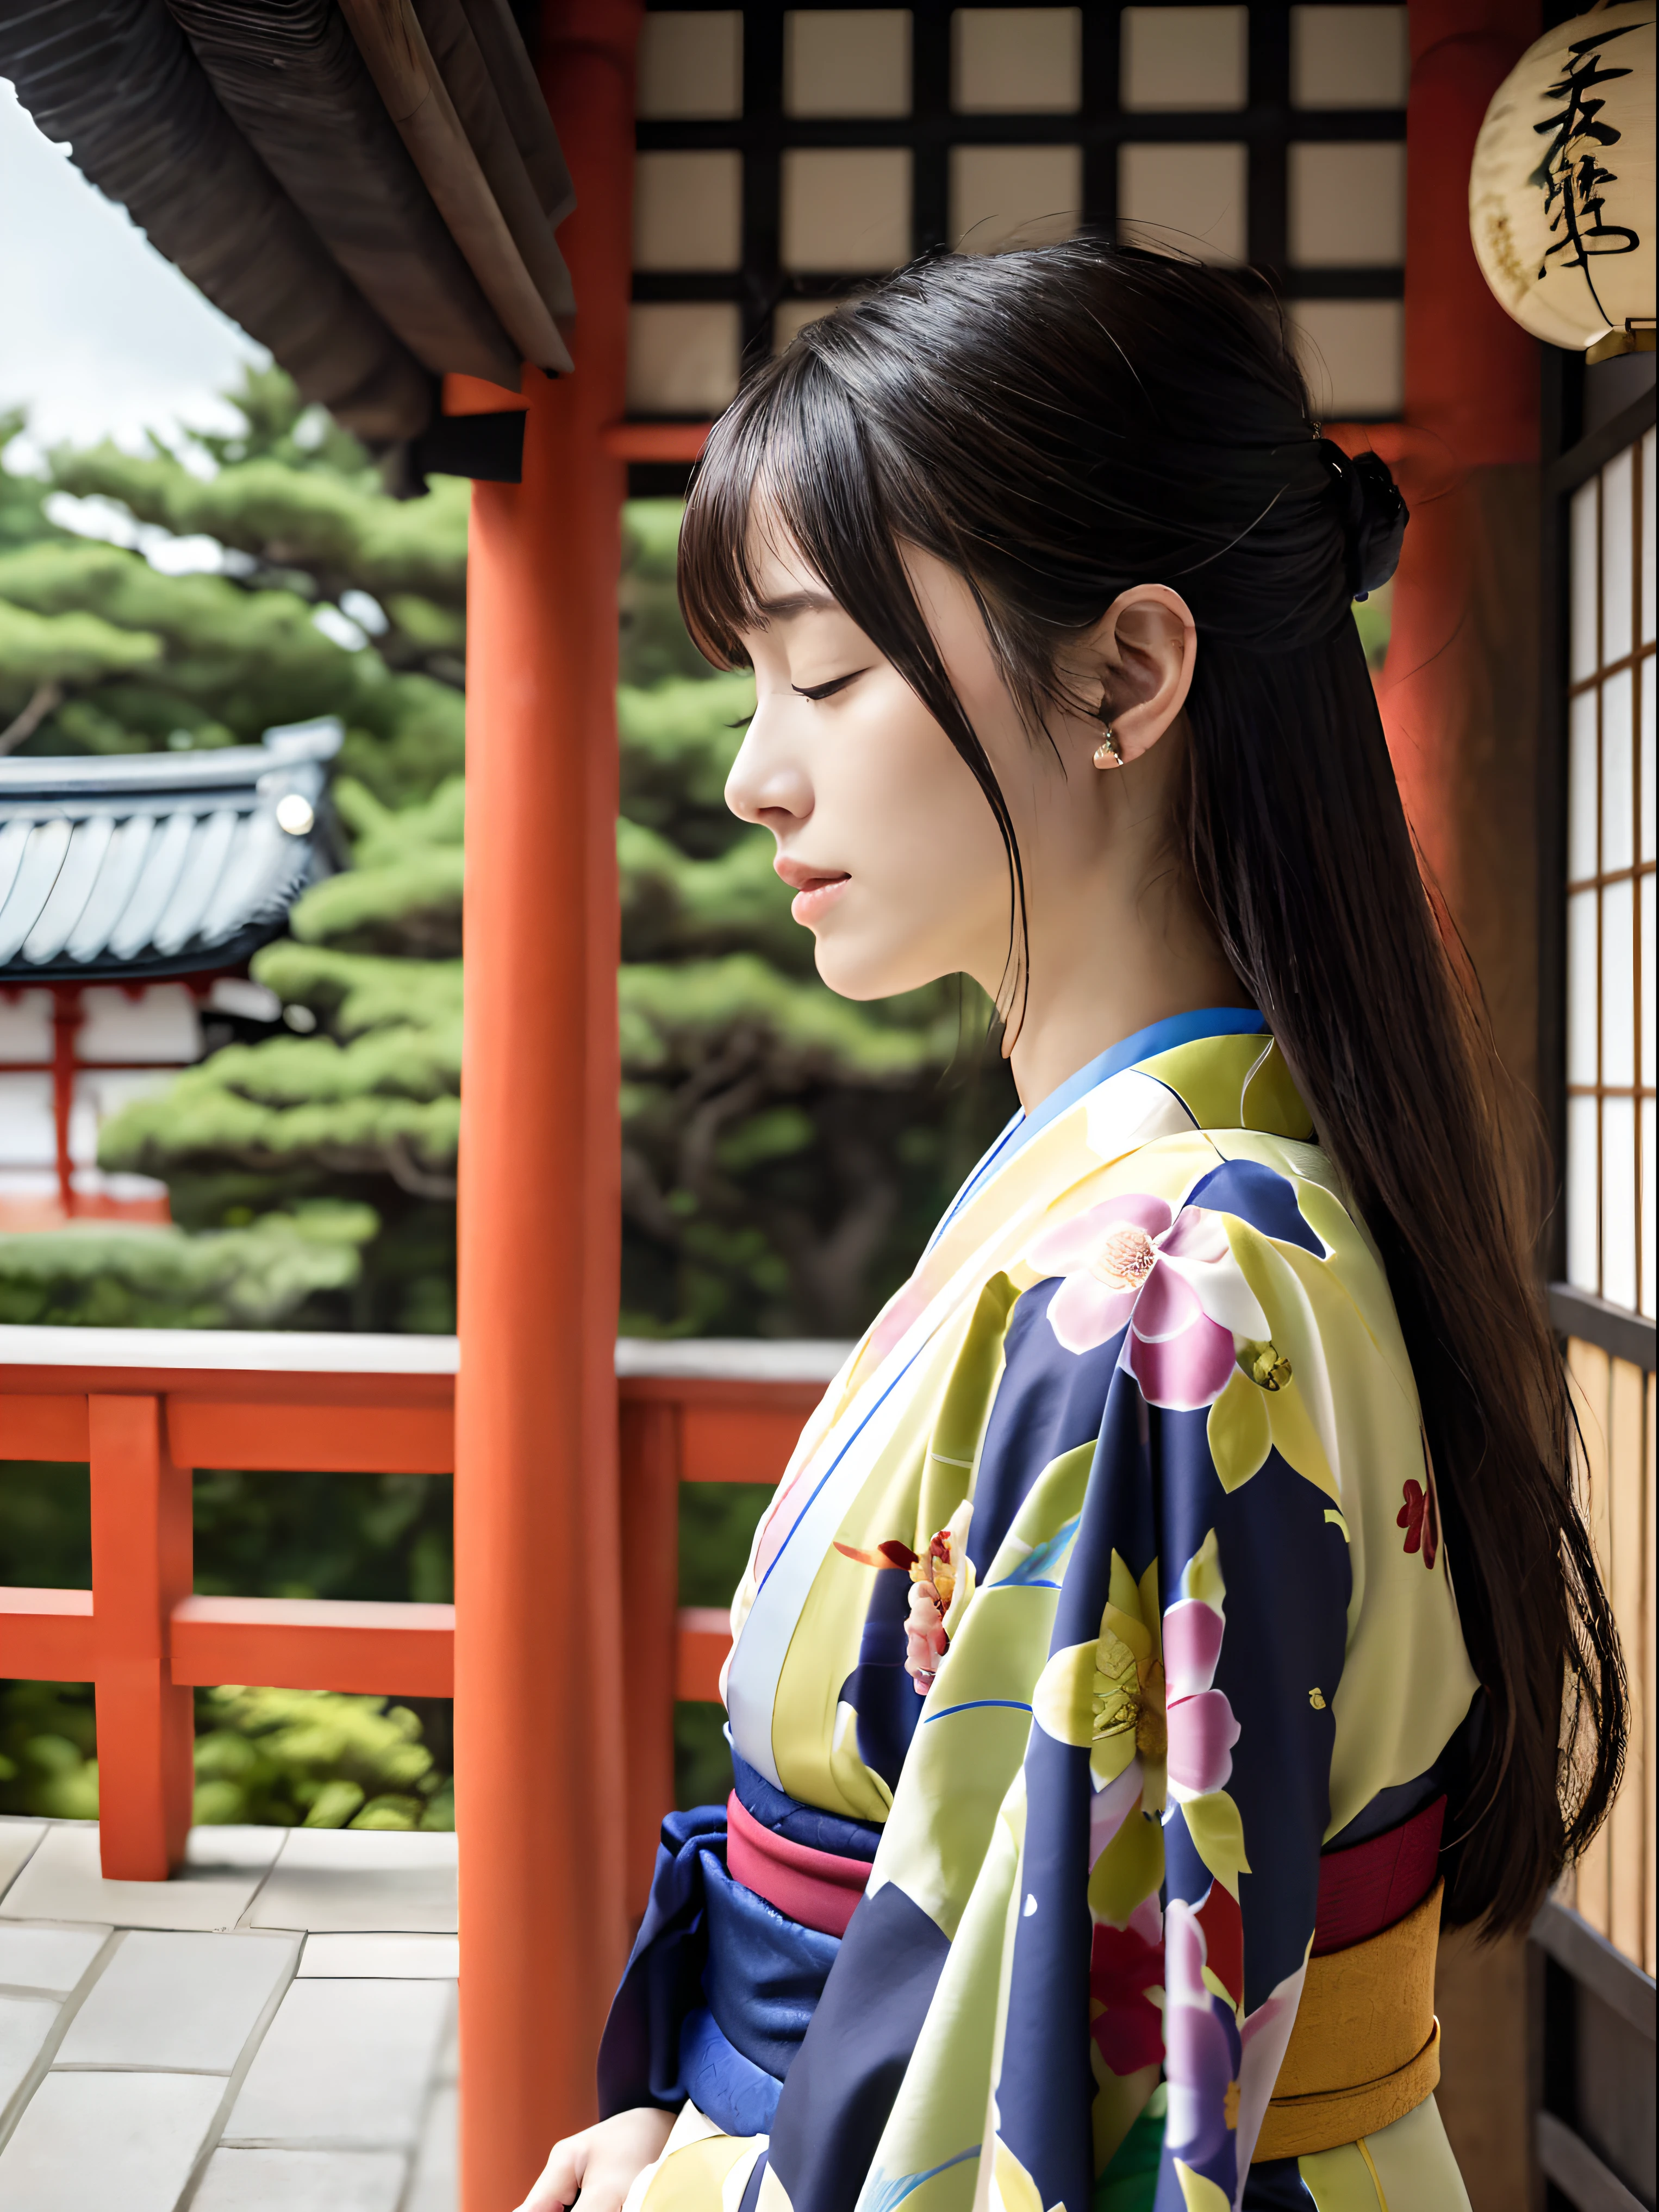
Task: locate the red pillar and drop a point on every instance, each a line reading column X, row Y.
column 67, row 1016
column 540, row 1779
column 1459, row 689
column 141, row 1567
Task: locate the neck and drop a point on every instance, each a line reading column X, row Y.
column 1107, row 964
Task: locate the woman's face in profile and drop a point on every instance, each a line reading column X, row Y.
column 882, row 830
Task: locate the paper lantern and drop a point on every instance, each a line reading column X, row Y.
column 1561, row 192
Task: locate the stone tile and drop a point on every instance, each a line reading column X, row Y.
column 25, row 2024
column 188, row 2001
column 62, row 1881
column 301, row 2181
column 380, row 1958
column 125, row 2140
column 17, row 1840
column 239, row 1846
column 353, row 1880
column 437, row 2186
column 344, row 2065
column 47, row 1958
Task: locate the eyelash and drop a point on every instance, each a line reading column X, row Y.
column 816, row 691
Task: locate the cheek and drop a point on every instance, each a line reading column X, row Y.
column 902, row 813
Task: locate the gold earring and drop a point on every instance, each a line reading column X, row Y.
column 1109, row 753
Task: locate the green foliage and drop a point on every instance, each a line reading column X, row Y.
column 248, row 659
column 23, row 519
column 283, row 1269
column 48, row 1753
column 65, row 648
column 654, row 645
column 316, row 1759
column 410, row 735
column 277, row 1758
column 403, row 891
column 344, row 534
column 102, row 653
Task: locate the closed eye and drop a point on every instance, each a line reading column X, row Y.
column 827, row 690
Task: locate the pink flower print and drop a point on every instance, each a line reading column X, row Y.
column 891, row 1323
column 935, row 1575
column 1106, row 1254
column 1201, row 2051
column 1201, row 1727
column 1170, row 1276
column 924, row 1632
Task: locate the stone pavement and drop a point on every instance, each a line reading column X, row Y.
column 272, row 2031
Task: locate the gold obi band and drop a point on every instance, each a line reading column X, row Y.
column 1365, row 2048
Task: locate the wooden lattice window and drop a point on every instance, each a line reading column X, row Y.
column 788, row 155
column 1610, row 883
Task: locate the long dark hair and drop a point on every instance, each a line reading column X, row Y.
column 1058, row 425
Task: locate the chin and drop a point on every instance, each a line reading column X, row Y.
column 864, row 972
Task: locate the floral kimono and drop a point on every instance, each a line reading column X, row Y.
column 1100, row 1622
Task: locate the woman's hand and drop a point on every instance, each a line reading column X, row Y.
column 601, row 2162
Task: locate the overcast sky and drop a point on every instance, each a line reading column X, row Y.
column 98, row 336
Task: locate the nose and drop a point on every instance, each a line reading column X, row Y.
column 768, row 783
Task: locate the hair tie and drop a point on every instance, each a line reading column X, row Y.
column 1374, row 515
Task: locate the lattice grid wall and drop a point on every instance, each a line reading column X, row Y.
column 787, row 156
column 1610, row 884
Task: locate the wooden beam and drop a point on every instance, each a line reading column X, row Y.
column 331, row 1439
column 316, row 1643
column 45, row 1635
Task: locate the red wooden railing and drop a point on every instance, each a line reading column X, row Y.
column 143, row 1408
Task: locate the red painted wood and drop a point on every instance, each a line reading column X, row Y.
column 1471, row 371
column 295, row 1387
column 704, row 1639
column 733, row 1445
column 45, row 1635
column 316, row 1643
column 141, row 1568
column 654, row 441
column 42, row 1424
column 476, row 395
column 649, row 1445
column 333, row 1439
column 731, row 1394
column 539, row 1620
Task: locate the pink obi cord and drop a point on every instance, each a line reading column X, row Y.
column 1362, row 1890
column 818, row 1889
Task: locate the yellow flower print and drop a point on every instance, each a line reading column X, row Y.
column 1107, row 1696
column 1262, row 1409
column 1129, row 1721
column 1277, row 1397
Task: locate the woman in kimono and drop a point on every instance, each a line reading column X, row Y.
column 1164, row 1619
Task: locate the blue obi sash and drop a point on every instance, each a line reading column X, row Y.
column 720, row 1986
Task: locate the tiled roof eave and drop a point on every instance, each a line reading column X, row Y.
column 154, row 866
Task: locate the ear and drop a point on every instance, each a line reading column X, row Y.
column 1141, row 652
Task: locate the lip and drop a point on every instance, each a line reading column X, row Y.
column 814, row 900
column 816, row 889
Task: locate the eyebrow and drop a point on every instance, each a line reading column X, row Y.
column 766, row 611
